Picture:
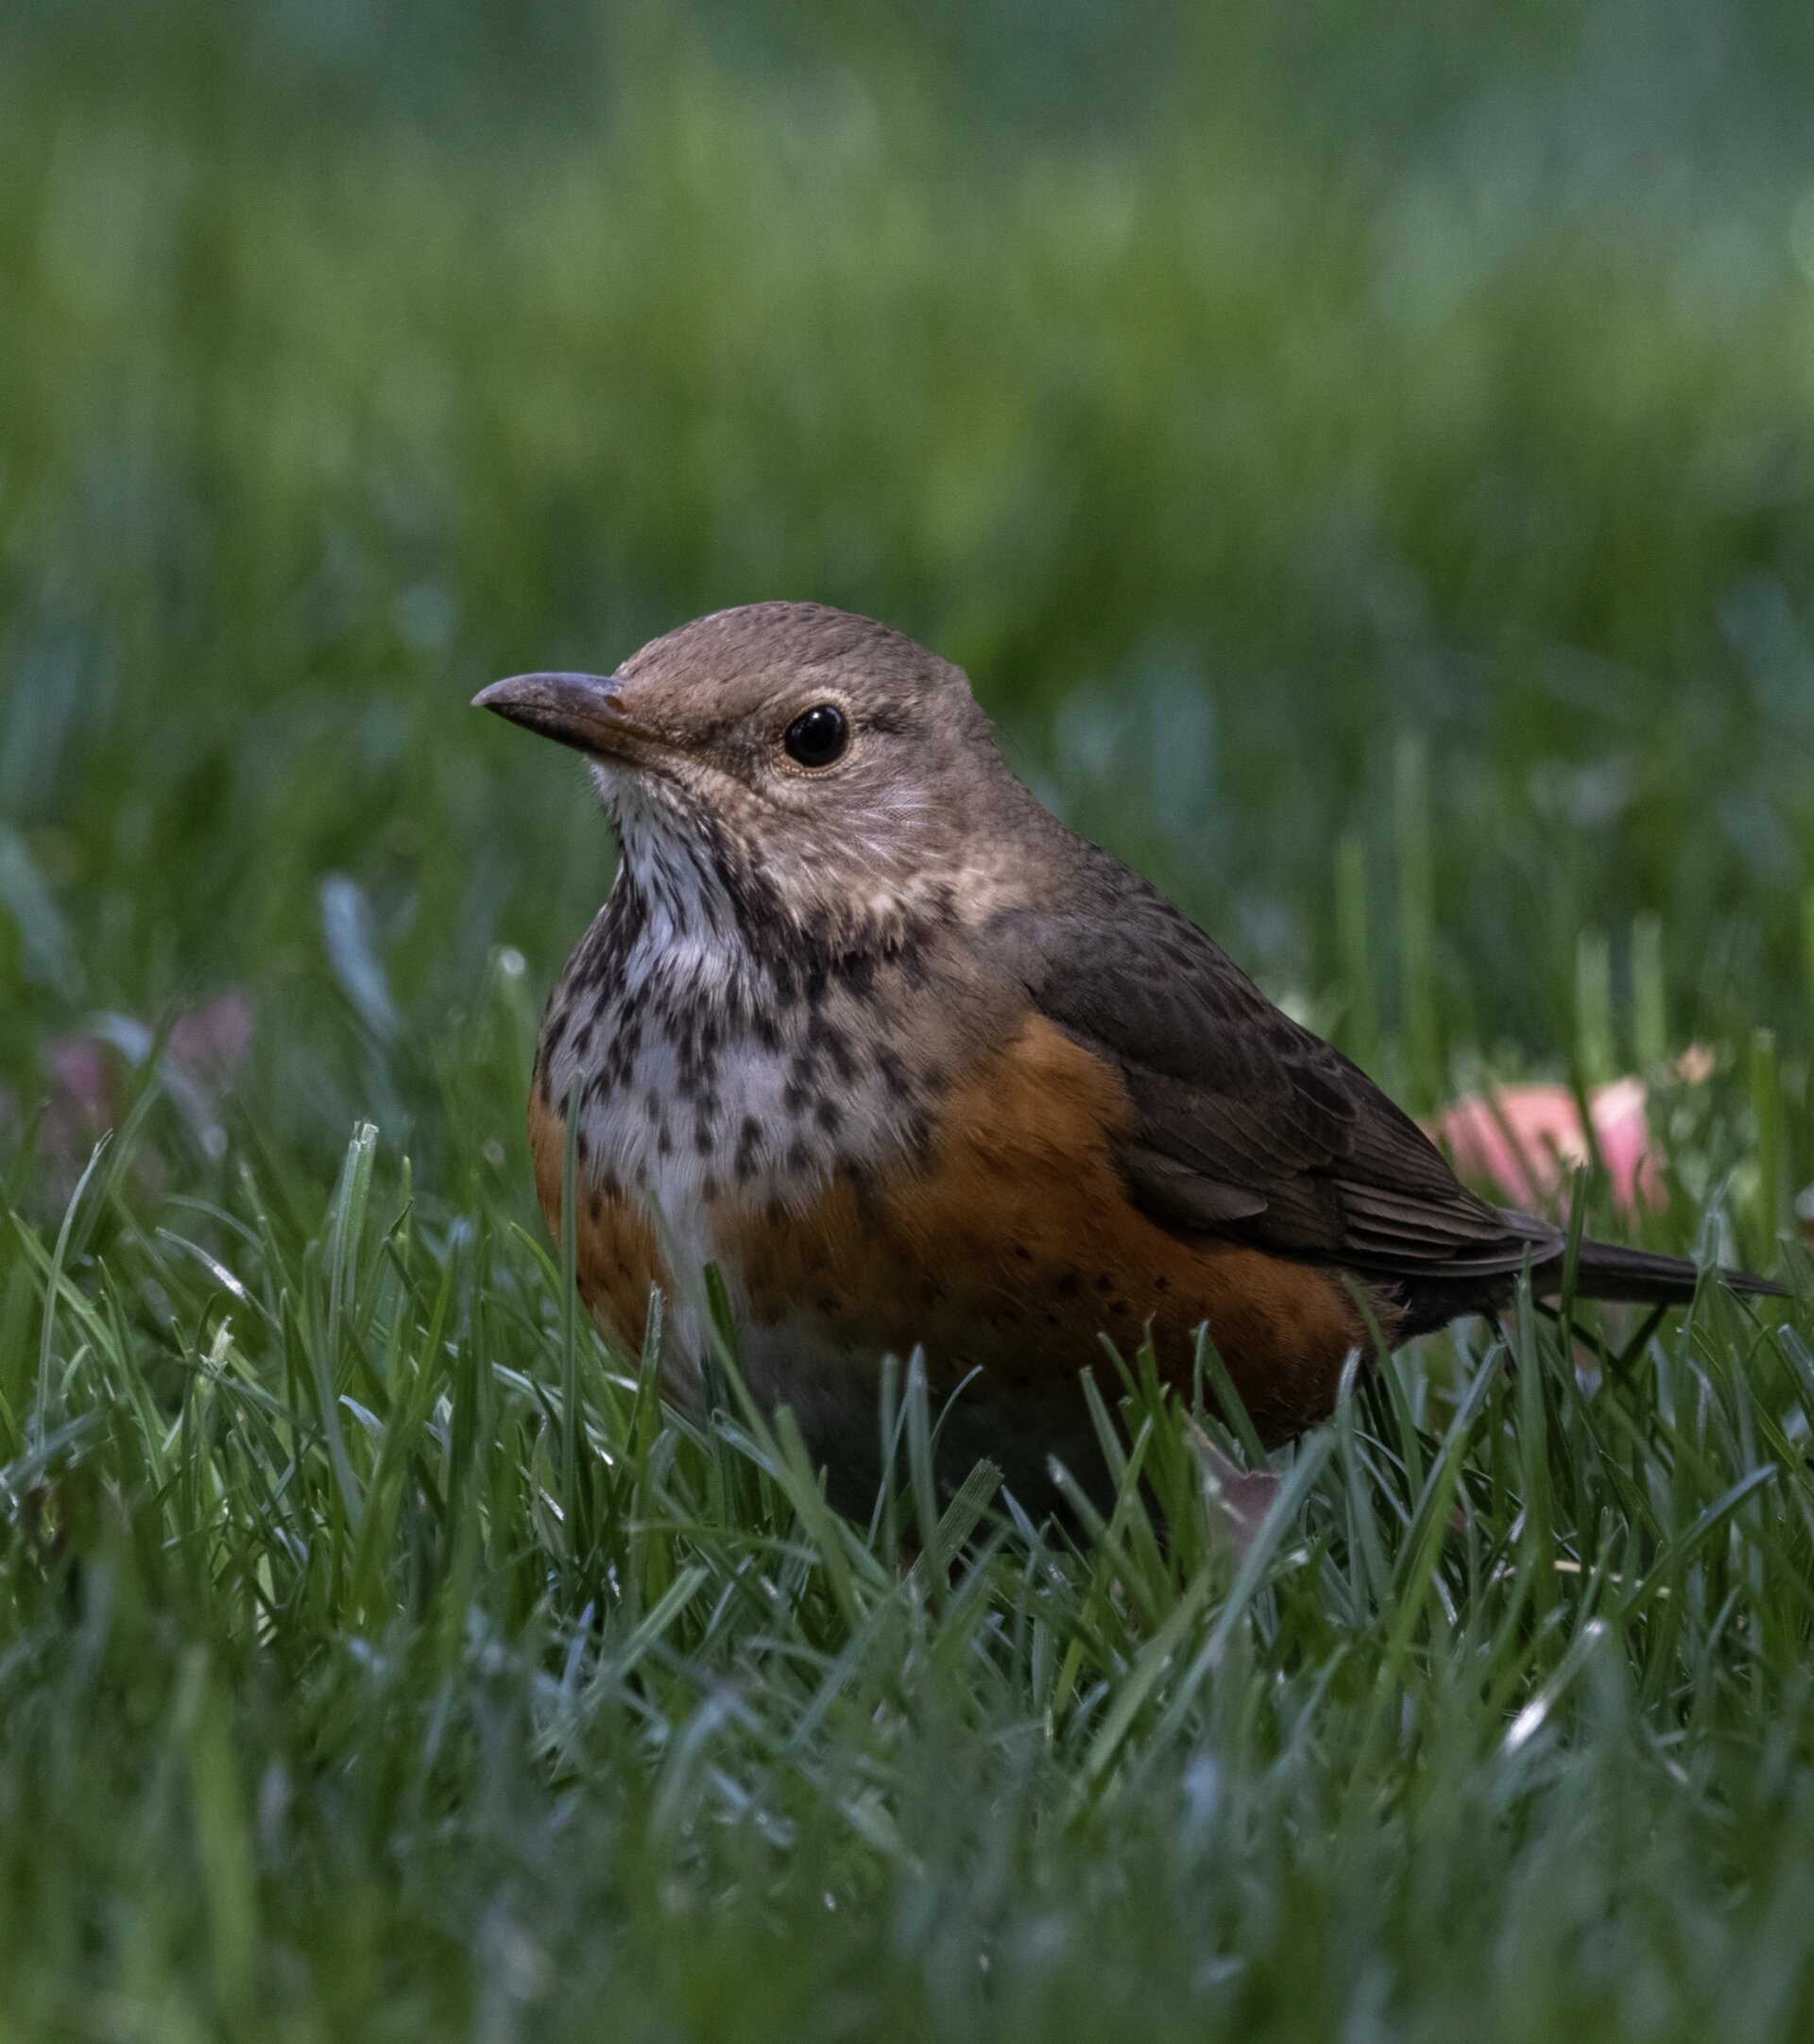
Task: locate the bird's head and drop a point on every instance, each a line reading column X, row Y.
column 791, row 758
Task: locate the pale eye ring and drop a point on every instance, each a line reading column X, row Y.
column 818, row 736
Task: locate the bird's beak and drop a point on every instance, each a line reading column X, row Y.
column 580, row 710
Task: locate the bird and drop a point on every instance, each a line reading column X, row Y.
column 916, row 1068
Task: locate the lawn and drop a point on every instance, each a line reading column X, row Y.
column 1368, row 467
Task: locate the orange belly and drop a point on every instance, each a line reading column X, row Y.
column 1008, row 1247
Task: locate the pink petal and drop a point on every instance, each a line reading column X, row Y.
column 87, row 1089
column 1236, row 1499
column 85, row 1079
column 1527, row 1141
column 212, row 1042
column 1622, row 1130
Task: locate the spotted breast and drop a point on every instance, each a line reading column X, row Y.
column 882, row 1147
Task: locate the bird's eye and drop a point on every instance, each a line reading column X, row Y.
column 817, row 736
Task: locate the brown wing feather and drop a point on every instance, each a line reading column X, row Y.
column 1246, row 1123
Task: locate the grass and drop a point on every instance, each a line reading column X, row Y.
column 1366, row 467
column 383, row 1660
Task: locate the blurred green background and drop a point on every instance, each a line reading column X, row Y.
column 1237, row 393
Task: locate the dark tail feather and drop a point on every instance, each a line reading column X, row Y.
column 1606, row 1270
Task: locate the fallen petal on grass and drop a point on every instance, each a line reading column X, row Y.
column 88, row 1086
column 1527, row 1141
column 1236, row 1499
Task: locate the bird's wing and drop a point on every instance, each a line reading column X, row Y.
column 1244, row 1123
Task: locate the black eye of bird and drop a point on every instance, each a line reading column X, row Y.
column 817, row 736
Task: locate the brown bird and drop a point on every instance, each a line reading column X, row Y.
column 914, row 1066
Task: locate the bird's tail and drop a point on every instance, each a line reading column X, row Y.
column 1607, row 1271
